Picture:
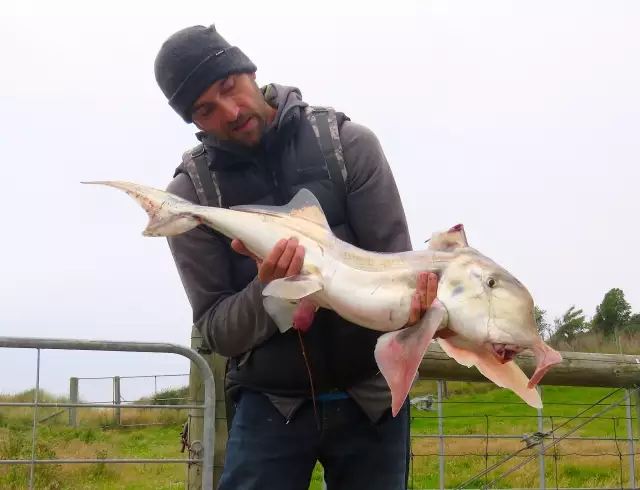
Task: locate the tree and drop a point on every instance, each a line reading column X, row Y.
column 572, row 323
column 541, row 322
column 633, row 325
column 614, row 313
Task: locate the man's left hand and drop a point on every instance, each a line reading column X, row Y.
column 424, row 297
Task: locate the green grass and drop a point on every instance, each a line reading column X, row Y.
column 580, row 463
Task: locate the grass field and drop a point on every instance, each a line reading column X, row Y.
column 587, row 464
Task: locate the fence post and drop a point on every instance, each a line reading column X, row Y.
column 116, row 398
column 541, row 463
column 219, row 369
column 636, row 397
column 440, row 433
column 632, row 455
column 73, row 398
column 196, row 423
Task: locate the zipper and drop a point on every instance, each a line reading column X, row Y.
column 279, row 191
column 275, row 183
column 276, row 187
column 267, row 170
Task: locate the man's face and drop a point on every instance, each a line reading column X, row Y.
column 233, row 109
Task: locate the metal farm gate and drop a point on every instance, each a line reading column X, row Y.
column 204, row 451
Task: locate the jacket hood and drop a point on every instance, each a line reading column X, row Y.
column 287, row 101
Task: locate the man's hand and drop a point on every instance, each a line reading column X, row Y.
column 284, row 260
column 426, row 294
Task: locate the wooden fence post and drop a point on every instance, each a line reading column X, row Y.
column 116, row 399
column 73, row 398
column 196, row 396
column 637, row 401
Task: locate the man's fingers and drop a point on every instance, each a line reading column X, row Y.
column 422, row 292
column 270, row 262
column 285, row 259
column 240, row 248
column 296, row 262
column 432, row 289
column 427, row 291
column 414, row 313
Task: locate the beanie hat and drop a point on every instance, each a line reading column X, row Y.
column 191, row 60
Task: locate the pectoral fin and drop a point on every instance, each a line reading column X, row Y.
column 507, row 375
column 400, row 352
column 286, row 314
column 293, row 287
column 281, row 311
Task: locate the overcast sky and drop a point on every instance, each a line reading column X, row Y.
column 518, row 119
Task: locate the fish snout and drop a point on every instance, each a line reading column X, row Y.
column 546, row 357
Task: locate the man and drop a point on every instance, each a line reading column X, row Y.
column 261, row 145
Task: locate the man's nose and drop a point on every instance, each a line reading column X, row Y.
column 228, row 110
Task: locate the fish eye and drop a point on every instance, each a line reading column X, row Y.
column 491, row 282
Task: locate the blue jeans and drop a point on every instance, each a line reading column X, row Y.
column 266, row 453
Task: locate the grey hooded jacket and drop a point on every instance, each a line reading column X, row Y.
column 230, row 315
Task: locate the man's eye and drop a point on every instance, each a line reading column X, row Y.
column 204, row 111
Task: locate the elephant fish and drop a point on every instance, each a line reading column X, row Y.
column 482, row 315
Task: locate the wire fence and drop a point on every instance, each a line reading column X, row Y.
column 122, row 393
column 118, row 392
column 586, row 442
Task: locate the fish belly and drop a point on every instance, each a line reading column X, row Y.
column 379, row 301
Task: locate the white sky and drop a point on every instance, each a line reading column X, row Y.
column 518, row 119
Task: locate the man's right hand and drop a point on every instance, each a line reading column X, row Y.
column 284, row 260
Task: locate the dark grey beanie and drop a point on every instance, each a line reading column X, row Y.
column 192, row 59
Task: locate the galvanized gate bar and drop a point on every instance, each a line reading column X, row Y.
column 208, row 446
column 101, row 461
column 97, row 405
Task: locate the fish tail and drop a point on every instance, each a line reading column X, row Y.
column 168, row 214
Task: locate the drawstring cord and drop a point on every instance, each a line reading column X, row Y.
column 313, row 393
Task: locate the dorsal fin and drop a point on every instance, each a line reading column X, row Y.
column 448, row 240
column 303, row 205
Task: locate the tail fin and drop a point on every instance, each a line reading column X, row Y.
column 168, row 214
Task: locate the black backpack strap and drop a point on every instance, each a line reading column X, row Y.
column 204, row 180
column 325, row 126
column 208, row 191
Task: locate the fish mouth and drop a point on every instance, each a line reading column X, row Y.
column 505, row 352
column 546, row 358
